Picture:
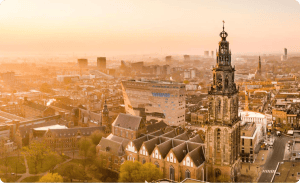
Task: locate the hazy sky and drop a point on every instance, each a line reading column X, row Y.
column 114, row 27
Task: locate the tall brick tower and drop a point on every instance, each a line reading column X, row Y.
column 223, row 126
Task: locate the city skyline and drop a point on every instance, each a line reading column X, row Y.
column 113, row 28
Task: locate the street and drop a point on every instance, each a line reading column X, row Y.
column 275, row 156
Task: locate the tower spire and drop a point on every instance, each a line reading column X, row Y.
column 223, row 24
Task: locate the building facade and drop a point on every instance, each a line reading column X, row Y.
column 155, row 100
column 223, row 126
column 249, row 140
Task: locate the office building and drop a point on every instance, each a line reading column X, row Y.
column 82, row 62
column 155, row 100
column 101, row 63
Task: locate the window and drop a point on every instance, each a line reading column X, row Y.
column 250, row 142
column 156, row 164
column 243, row 141
column 218, row 140
column 144, row 161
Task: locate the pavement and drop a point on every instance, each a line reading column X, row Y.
column 276, row 155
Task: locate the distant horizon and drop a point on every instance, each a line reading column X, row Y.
column 167, row 27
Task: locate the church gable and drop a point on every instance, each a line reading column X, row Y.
column 131, row 147
column 171, row 157
column 156, row 154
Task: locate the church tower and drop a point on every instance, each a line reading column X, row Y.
column 259, row 66
column 105, row 118
column 223, row 126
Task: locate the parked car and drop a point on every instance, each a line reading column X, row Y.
column 278, row 133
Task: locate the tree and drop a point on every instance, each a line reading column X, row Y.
column 51, row 177
column 96, row 136
column 136, row 172
column 37, row 152
column 4, row 152
column 84, row 147
column 72, row 171
column 149, row 172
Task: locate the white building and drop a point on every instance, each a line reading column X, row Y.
column 258, row 118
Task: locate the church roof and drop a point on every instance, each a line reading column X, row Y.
column 127, row 121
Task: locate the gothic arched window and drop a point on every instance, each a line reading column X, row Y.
column 218, row 140
column 225, row 106
column 219, row 106
column 226, row 82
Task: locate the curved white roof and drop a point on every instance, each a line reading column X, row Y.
column 252, row 114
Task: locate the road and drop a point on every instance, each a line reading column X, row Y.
column 275, row 156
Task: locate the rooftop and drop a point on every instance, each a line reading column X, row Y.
column 45, row 128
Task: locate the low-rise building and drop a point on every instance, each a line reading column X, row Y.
column 248, row 141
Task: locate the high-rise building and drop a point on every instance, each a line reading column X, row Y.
column 206, row 53
column 155, row 100
column 168, row 58
column 285, row 51
column 259, row 66
column 186, row 57
column 285, row 56
column 212, row 54
column 223, row 126
column 101, row 63
column 82, row 62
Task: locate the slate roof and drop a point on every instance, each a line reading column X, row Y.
column 113, row 147
column 127, row 121
column 85, row 131
column 157, row 133
column 197, row 155
column 35, row 106
column 165, row 147
column 151, row 144
column 138, row 142
column 156, row 126
column 62, row 106
column 196, row 139
column 121, row 140
column 170, row 134
column 183, row 136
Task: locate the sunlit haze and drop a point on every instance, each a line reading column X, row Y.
column 115, row 27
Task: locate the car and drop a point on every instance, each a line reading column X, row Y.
column 278, row 133
column 271, row 145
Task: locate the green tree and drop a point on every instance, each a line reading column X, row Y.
column 150, row 172
column 186, row 82
column 136, row 172
column 51, row 177
column 85, row 147
column 37, row 152
column 4, row 152
column 72, row 171
column 96, row 136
